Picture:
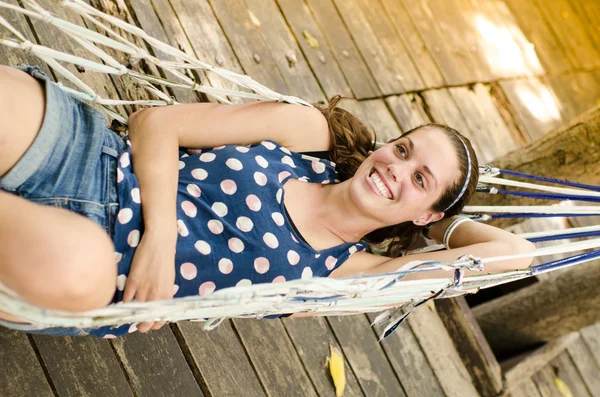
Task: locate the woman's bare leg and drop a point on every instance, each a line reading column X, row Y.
column 22, row 104
column 54, row 258
column 51, row 257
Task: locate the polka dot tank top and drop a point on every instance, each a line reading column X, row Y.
column 232, row 223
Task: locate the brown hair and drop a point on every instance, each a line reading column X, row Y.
column 351, row 142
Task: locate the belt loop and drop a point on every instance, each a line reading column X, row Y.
column 110, row 151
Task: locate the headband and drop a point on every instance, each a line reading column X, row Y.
column 464, row 188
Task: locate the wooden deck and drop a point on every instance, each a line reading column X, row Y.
column 502, row 72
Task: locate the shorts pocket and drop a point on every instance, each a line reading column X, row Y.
column 90, row 209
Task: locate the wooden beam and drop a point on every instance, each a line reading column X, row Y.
column 565, row 370
column 365, row 356
column 521, row 368
column 155, row 364
column 274, row 358
column 542, row 312
column 347, row 54
column 218, row 359
column 410, row 362
column 320, row 55
column 585, row 364
column 445, row 361
column 471, row 345
column 563, row 153
column 82, row 366
column 311, row 337
column 22, row 373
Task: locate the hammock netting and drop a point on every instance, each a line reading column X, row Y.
column 320, row 296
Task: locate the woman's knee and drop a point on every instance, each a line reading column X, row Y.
column 54, row 258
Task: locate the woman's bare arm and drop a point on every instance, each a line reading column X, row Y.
column 205, row 125
column 472, row 238
column 157, row 133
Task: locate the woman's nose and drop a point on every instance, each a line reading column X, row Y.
column 396, row 170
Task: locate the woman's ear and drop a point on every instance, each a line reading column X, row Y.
column 428, row 218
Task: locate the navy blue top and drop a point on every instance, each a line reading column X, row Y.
column 232, row 223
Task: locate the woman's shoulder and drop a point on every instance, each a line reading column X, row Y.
column 314, row 132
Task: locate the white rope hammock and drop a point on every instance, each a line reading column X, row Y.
column 321, row 296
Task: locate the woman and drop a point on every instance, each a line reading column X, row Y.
column 244, row 206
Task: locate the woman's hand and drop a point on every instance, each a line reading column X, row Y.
column 152, row 274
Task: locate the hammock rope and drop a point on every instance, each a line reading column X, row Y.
column 321, row 296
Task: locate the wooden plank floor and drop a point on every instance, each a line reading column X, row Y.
column 503, row 72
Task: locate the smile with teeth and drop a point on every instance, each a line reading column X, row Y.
column 378, row 183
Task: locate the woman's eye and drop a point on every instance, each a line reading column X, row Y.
column 420, row 181
column 401, row 149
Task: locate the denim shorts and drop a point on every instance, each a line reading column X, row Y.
column 71, row 164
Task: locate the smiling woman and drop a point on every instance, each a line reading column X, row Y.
column 201, row 197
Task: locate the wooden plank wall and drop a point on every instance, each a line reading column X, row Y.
column 503, row 72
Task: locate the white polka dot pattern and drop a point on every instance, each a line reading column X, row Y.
column 133, row 238
column 306, row 273
column 261, row 265
column 125, row 215
column 287, row 160
column 282, row 175
column 228, row 187
column 193, row 190
column 206, row 288
column 188, row 271
column 270, row 240
column 182, row 228
column 225, row 266
column 236, row 245
column 244, row 224
column 268, row 145
column 135, row 195
column 260, row 160
column 293, row 257
column 203, row 247
column 234, row 164
column 243, row 283
column 260, row 178
column 277, row 218
column 279, row 279
column 207, row 157
column 189, row 209
column 230, row 223
column 220, row 209
column 121, row 280
column 215, row 226
column 200, row 174
column 253, row 203
column 124, row 160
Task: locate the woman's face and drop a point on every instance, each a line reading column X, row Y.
column 400, row 181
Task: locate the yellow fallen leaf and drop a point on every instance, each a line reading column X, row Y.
column 562, row 387
column 336, row 369
column 254, row 19
column 314, row 43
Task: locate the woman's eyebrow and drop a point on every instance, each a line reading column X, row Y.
column 431, row 174
column 427, row 170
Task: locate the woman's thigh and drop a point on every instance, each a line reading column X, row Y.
column 22, row 107
column 54, row 258
column 72, row 161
